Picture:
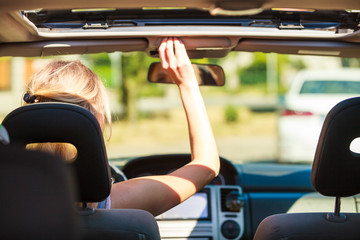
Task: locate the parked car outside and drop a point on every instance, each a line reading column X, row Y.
column 310, row 97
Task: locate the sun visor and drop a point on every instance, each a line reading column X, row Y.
column 300, row 47
column 51, row 48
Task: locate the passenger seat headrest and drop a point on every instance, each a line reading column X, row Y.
column 61, row 122
column 336, row 168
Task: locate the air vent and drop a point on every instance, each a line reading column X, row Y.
column 224, row 193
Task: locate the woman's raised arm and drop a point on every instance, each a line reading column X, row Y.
column 157, row 194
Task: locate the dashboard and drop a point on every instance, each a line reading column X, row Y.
column 235, row 202
column 215, row 212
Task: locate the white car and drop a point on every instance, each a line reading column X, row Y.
column 311, row 95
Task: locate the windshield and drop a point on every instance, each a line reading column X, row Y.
column 148, row 118
column 330, row 87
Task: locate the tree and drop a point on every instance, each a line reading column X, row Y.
column 134, row 74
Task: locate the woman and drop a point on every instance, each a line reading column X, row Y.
column 74, row 83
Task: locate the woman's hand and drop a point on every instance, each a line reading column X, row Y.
column 175, row 61
column 205, row 162
column 158, row 194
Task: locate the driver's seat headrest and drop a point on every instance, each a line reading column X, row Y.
column 66, row 123
column 336, row 167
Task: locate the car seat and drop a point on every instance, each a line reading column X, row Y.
column 37, row 197
column 67, row 123
column 336, row 173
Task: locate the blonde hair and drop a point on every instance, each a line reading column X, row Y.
column 70, row 82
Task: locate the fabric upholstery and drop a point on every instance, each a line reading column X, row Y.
column 125, row 224
column 308, row 226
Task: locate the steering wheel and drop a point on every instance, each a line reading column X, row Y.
column 116, row 174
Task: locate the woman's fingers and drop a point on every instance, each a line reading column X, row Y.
column 180, row 51
column 175, row 61
column 170, row 53
column 163, row 58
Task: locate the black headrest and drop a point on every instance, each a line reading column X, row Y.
column 336, row 169
column 60, row 122
column 37, row 196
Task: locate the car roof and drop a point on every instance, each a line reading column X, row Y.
column 200, row 4
column 343, row 74
column 208, row 28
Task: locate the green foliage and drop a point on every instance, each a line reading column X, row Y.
column 200, row 61
column 231, row 114
column 134, row 69
column 100, row 64
column 255, row 74
column 285, row 61
column 104, row 73
column 151, row 90
column 135, row 66
column 350, row 62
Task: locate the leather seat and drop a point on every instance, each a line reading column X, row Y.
column 60, row 122
column 37, row 196
column 335, row 173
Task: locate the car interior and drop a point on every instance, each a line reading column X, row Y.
column 334, row 173
column 49, row 193
column 246, row 200
column 35, row 123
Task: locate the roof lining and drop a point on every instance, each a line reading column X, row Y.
column 286, row 46
column 199, row 4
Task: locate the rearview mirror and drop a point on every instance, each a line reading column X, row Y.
column 206, row 74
